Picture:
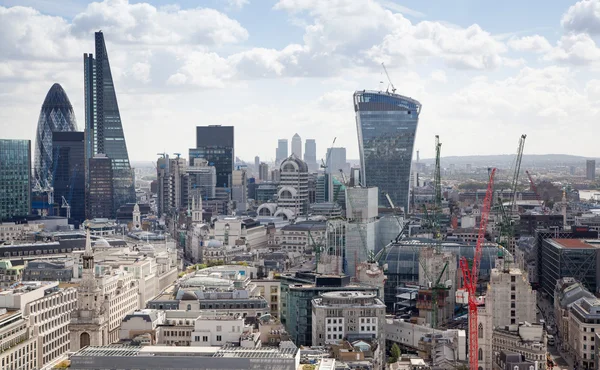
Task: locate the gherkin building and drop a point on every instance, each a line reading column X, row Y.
column 56, row 115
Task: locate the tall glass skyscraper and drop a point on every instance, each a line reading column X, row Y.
column 69, row 176
column 386, row 125
column 215, row 143
column 103, row 127
column 56, row 115
column 15, row 178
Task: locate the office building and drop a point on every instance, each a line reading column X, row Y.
column 56, row 115
column 310, row 154
column 297, row 146
column 263, row 172
column 266, row 192
column 103, row 126
column 336, row 158
column 567, row 292
column 202, row 179
column 49, row 270
column 387, row 125
column 34, row 318
column 282, row 150
column 172, row 185
column 239, row 190
column 584, row 321
column 256, row 162
column 339, row 316
column 69, row 174
column 361, row 213
column 100, row 203
column 215, row 143
column 15, row 178
column 292, row 194
column 590, row 169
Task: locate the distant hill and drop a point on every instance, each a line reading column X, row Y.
column 530, row 160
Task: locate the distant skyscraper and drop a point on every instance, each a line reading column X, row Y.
column 215, row 143
column 297, row 146
column 103, row 127
column 256, row 162
column 15, row 178
column 337, row 160
column 387, row 124
column 310, row 154
column 56, row 115
column 172, row 184
column 282, row 150
column 263, row 172
column 590, row 169
column 69, row 178
column 100, row 203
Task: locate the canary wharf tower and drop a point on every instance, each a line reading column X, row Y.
column 387, row 125
column 103, row 127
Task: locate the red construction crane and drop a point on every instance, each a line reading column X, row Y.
column 537, row 195
column 471, row 277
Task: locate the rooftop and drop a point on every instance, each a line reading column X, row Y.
column 574, row 244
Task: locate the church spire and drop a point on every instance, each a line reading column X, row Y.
column 88, row 254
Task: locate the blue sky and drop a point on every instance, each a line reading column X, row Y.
column 485, row 71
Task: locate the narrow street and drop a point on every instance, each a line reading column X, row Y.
column 561, row 358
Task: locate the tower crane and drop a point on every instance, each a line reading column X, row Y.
column 517, row 170
column 389, row 79
column 66, row 205
column 509, row 218
column 470, row 278
column 535, row 191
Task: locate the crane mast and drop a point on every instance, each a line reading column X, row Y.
column 389, row 79
column 515, row 179
column 471, row 277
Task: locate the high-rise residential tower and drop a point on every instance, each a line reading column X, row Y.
column 310, row 154
column 386, row 125
column 103, row 126
column 282, row 150
column 69, row 177
column 56, row 115
column 15, row 178
column 297, row 146
column 215, row 143
column 590, row 169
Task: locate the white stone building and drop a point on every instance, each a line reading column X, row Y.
column 338, row 316
column 292, row 194
column 584, row 322
column 526, row 339
column 34, row 319
column 511, row 296
column 271, row 291
column 214, row 329
column 216, row 251
column 105, row 296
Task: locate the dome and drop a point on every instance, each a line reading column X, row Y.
column 214, row 243
column 293, row 164
column 188, row 296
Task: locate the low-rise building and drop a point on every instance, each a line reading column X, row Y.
column 568, row 291
column 528, row 340
column 49, row 270
column 10, row 274
column 271, row 291
column 584, row 321
column 301, row 236
column 506, row 360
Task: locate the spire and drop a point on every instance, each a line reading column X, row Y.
column 88, row 243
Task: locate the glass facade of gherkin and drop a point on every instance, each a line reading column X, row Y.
column 103, row 126
column 56, row 115
column 387, row 126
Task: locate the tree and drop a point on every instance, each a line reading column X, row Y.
column 395, row 353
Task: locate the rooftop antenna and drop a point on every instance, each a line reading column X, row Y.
column 389, row 79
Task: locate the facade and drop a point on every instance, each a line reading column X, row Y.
column 9, row 274
column 361, row 213
column 511, row 296
column 506, row 360
column 387, row 126
column 282, row 151
column 100, row 197
column 301, row 236
column 69, row 174
column 239, row 190
column 49, row 270
column 103, row 126
column 338, row 316
column 172, row 185
column 216, row 144
column 56, row 115
column 584, row 321
column 34, row 320
column 590, row 169
column 292, row 194
column 567, row 292
column 202, row 178
column 297, row 146
column 15, row 178
column 528, row 340
column 310, row 154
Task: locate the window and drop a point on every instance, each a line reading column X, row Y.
column 512, row 296
column 481, row 355
column 480, row 330
column 205, row 339
column 218, row 327
column 218, row 338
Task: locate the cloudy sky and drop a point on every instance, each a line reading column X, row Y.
column 485, row 71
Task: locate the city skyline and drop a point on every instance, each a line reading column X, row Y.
column 512, row 77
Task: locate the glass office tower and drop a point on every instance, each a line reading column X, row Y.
column 215, row 144
column 56, row 115
column 15, row 178
column 386, row 125
column 103, row 126
column 69, row 177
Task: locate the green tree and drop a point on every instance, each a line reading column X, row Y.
column 395, row 353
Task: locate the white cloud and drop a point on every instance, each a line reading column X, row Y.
column 236, row 4
column 206, row 70
column 535, row 43
column 143, row 23
column 141, row 72
column 584, row 16
column 578, row 49
column 438, row 76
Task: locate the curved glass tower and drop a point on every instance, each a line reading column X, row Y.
column 386, row 124
column 56, row 115
column 103, row 126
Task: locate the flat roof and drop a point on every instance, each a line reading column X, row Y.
column 572, row 243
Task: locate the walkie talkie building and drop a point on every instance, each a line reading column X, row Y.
column 387, row 125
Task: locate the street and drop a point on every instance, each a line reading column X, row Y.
column 560, row 357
